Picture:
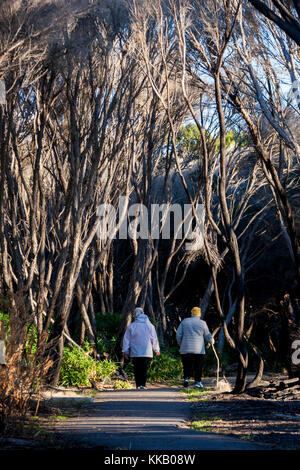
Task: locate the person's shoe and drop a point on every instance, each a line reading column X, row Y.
column 198, row 385
column 142, row 387
column 186, row 383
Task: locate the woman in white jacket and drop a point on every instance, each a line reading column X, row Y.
column 139, row 342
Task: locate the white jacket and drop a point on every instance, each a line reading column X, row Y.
column 192, row 334
column 140, row 339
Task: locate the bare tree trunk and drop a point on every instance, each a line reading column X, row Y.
column 57, row 356
column 282, row 198
column 259, row 375
column 82, row 333
column 91, row 334
column 234, row 248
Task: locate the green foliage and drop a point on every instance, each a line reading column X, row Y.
column 78, row 367
column 167, row 366
column 31, row 336
column 239, row 139
column 122, row 384
column 4, row 319
column 31, row 343
column 108, row 322
column 108, row 325
column 189, row 139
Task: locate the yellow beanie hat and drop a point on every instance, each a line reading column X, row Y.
column 196, row 311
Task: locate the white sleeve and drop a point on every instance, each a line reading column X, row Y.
column 126, row 341
column 154, row 339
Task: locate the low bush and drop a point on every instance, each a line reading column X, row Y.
column 78, row 368
column 26, row 363
column 167, row 366
column 122, row 385
column 108, row 325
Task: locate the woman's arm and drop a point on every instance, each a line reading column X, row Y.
column 179, row 334
column 154, row 340
column 126, row 341
column 207, row 335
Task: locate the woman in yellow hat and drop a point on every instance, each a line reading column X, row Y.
column 192, row 334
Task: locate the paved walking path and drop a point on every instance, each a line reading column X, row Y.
column 153, row 419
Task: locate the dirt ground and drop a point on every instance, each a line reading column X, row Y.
column 275, row 423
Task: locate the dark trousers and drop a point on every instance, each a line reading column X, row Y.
column 192, row 366
column 140, row 366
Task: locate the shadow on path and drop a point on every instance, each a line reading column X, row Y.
column 153, row 419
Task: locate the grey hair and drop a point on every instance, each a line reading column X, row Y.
column 138, row 311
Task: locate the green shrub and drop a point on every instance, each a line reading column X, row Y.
column 31, row 336
column 122, row 384
column 108, row 322
column 105, row 369
column 167, row 366
column 78, row 367
column 4, row 319
column 108, row 325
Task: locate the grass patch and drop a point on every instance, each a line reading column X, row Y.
column 204, row 425
column 61, row 417
column 196, row 394
column 88, row 393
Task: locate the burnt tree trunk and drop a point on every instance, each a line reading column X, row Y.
column 290, row 332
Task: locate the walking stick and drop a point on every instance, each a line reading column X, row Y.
column 218, row 364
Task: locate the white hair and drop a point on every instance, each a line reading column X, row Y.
column 138, row 311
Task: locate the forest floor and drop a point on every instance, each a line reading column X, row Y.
column 92, row 419
column 273, row 423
